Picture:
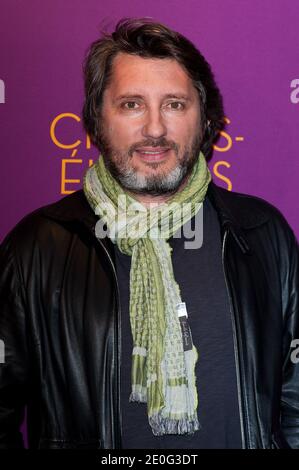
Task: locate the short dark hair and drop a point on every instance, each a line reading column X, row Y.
column 145, row 38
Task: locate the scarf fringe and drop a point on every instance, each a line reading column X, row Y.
column 161, row 425
column 138, row 396
column 164, row 425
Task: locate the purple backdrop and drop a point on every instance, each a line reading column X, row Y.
column 254, row 51
column 251, row 45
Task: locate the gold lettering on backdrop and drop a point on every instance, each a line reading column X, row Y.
column 228, row 142
column 64, row 179
column 224, row 145
column 220, row 176
column 53, row 131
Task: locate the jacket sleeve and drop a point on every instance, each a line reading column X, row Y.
column 290, row 385
column 13, row 359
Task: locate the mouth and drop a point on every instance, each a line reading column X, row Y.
column 153, row 154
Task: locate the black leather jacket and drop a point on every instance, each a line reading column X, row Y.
column 60, row 322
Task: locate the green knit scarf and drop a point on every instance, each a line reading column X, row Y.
column 163, row 372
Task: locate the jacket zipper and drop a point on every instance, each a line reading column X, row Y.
column 236, row 351
column 118, row 353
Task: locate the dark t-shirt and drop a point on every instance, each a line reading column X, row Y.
column 199, row 273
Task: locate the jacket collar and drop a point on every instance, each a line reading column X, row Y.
column 240, row 210
column 236, row 211
column 72, row 208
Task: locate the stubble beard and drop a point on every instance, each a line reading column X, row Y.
column 164, row 183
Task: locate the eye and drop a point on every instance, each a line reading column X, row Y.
column 130, row 105
column 177, row 105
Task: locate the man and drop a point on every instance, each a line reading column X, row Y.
column 117, row 333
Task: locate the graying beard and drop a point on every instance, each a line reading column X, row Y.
column 161, row 184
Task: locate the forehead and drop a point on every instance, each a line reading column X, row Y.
column 139, row 73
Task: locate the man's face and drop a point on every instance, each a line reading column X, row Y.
column 150, row 127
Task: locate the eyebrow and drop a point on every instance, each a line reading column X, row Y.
column 167, row 96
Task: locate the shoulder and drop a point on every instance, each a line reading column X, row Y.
column 247, row 210
column 46, row 226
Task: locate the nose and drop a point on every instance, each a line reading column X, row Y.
column 154, row 125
